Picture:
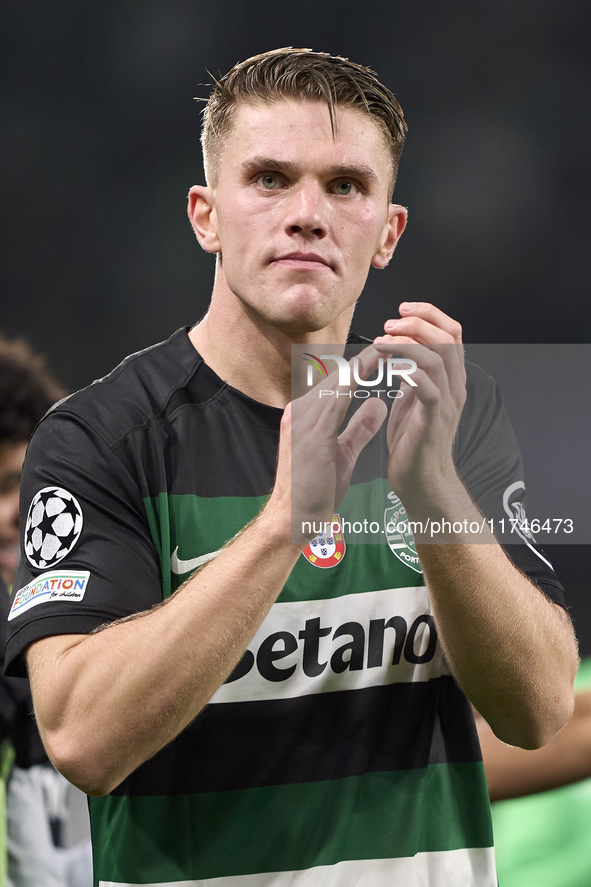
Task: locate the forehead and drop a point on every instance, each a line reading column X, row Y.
column 300, row 132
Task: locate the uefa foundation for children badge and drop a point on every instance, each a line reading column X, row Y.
column 328, row 548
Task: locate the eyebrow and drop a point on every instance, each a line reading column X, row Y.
column 346, row 171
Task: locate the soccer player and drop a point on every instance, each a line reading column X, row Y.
column 247, row 704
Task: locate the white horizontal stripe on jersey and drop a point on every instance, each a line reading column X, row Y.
column 410, row 603
column 446, row 868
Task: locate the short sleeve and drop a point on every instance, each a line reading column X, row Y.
column 87, row 557
column 489, row 462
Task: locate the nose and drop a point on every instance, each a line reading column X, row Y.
column 307, row 211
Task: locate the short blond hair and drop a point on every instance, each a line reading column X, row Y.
column 304, row 75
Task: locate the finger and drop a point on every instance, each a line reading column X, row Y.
column 399, row 411
column 424, row 323
column 433, row 316
column 322, row 409
column 319, row 414
column 362, row 427
column 326, row 404
column 451, row 355
column 411, row 359
column 439, row 377
column 421, row 331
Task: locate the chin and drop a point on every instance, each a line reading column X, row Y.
column 305, row 316
column 303, row 323
column 299, row 311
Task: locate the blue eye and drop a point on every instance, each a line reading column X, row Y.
column 344, row 188
column 268, row 181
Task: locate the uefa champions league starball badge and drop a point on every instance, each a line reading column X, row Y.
column 53, row 527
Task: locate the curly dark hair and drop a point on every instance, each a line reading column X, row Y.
column 27, row 389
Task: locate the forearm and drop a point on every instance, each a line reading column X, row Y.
column 110, row 700
column 510, row 648
column 513, row 772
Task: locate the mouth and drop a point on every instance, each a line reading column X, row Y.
column 302, row 260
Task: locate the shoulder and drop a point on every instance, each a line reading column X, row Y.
column 484, row 400
column 479, row 385
column 484, row 433
column 139, row 390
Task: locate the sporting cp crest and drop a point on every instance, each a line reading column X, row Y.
column 327, row 549
column 400, row 539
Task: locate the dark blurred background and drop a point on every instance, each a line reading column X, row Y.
column 100, row 143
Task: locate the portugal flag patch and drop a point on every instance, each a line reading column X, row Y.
column 327, row 549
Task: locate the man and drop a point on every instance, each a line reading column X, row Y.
column 27, row 391
column 542, row 836
column 335, row 746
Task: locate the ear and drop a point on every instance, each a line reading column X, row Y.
column 201, row 210
column 391, row 234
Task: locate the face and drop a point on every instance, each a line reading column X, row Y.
column 298, row 216
column 11, row 462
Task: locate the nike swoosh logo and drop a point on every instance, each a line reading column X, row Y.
column 179, row 566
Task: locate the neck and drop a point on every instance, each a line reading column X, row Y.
column 253, row 355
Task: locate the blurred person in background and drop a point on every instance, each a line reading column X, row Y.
column 542, row 801
column 37, row 797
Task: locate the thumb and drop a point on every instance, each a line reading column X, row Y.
column 363, row 426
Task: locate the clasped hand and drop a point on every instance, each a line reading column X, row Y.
column 421, row 426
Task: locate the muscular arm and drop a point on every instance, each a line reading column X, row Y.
column 511, row 650
column 108, row 701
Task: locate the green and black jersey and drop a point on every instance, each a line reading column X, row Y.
column 340, row 750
